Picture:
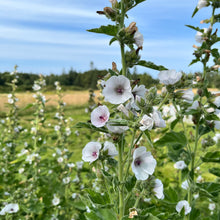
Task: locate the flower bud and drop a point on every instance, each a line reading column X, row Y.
column 110, row 13
column 132, row 28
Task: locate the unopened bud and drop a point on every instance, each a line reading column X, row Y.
column 114, row 66
column 198, row 78
column 164, row 91
column 122, row 109
column 109, row 12
column 132, row 28
column 132, row 213
column 200, row 92
column 196, row 47
column 216, row 67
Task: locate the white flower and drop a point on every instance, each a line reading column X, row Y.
column 196, row 196
column 66, row 180
column 185, row 185
column 68, row 131
column 110, row 147
column 60, row 159
column 10, row 208
column 116, row 129
column 117, row 90
column 184, row 204
column 56, row 127
column 169, row 77
column 199, row 36
column 71, row 165
column 36, row 87
column 10, row 101
column 158, row 189
column 216, row 138
column 211, row 206
column 74, row 195
column 194, row 106
column 55, row 200
column 217, row 124
column 143, row 163
column 113, row 2
column 158, row 120
column 79, row 165
column 180, row 165
column 217, row 101
column 199, row 179
column 147, row 123
column 139, row 91
column 100, row 116
column 21, row 170
column 188, row 95
column 138, row 39
column 90, row 152
column 202, row 4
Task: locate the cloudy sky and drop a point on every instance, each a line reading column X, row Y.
column 48, row 36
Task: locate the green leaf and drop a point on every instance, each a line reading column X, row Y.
column 112, row 40
column 91, row 216
column 97, row 197
column 204, row 130
column 90, row 126
column 195, row 11
column 172, row 138
column 215, row 53
column 110, row 30
column 215, row 171
column 194, row 214
column 139, row 1
column 130, row 183
column 212, row 157
column 194, row 61
column 170, row 196
column 211, row 188
column 174, row 123
column 195, row 28
column 150, row 65
column 118, row 122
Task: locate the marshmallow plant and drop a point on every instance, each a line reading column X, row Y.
column 128, row 111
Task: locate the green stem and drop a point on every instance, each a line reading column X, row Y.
column 122, row 46
column 164, row 100
column 138, row 199
column 193, row 162
column 129, row 155
column 120, row 178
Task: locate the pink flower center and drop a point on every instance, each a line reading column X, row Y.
column 103, row 118
column 94, row 154
column 120, row 90
column 137, row 162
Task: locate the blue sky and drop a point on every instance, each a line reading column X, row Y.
column 47, row 36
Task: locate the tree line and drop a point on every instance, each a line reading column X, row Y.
column 72, row 80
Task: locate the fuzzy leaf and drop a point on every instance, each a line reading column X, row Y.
column 150, row 65
column 130, row 183
column 195, row 28
column 112, row 40
column 212, row 157
column 90, row 126
column 98, row 198
column 215, row 171
column 172, row 138
column 195, row 11
column 110, row 30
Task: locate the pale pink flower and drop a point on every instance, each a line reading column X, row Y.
column 158, row 120
column 90, row 152
column 143, row 163
column 100, row 116
column 199, row 36
column 116, row 129
column 117, row 90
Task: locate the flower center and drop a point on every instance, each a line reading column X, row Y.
column 94, row 154
column 120, row 90
column 103, row 118
column 137, row 162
